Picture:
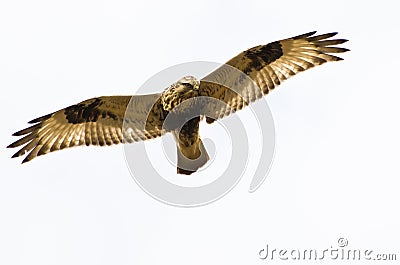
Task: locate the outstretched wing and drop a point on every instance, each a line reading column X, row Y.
column 97, row 121
column 256, row 71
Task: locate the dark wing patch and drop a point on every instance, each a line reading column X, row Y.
column 264, row 55
column 88, row 112
column 83, row 112
column 98, row 121
column 256, row 71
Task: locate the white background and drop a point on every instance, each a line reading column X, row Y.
column 335, row 174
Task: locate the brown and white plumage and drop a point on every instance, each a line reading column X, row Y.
column 256, row 71
column 126, row 119
column 97, row 121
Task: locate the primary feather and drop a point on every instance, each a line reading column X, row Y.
column 258, row 70
column 97, row 121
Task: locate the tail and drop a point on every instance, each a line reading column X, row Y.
column 190, row 157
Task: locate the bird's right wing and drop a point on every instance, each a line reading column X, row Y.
column 97, row 121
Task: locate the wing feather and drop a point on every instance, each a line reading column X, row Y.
column 98, row 121
column 260, row 69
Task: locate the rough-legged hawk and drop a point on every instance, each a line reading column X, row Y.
column 126, row 119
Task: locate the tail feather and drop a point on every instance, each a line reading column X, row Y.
column 188, row 165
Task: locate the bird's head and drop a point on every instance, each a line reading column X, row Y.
column 190, row 82
column 185, row 88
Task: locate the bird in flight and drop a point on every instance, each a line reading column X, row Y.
column 179, row 108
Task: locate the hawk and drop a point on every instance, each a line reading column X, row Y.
column 112, row 120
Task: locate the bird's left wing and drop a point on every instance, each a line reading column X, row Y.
column 97, row 121
column 256, row 71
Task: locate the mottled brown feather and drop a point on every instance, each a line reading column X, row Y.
column 262, row 68
column 98, row 121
